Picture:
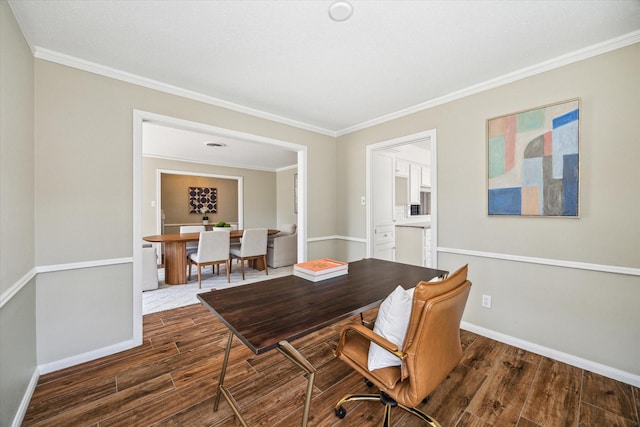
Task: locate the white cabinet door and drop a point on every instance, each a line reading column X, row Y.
column 402, row 168
column 384, row 242
column 425, row 176
column 383, row 182
column 414, row 184
column 382, row 174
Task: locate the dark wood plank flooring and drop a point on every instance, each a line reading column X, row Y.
column 170, row 381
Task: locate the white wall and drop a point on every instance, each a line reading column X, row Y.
column 18, row 371
column 586, row 316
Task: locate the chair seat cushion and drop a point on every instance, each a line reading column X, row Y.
column 355, row 353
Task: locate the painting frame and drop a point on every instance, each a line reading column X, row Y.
column 203, row 200
column 533, row 162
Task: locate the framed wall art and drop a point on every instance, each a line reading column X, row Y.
column 203, row 200
column 533, row 162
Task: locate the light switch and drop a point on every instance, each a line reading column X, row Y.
column 153, row 203
column 363, row 201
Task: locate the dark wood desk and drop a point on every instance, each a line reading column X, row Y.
column 296, row 307
column 175, row 253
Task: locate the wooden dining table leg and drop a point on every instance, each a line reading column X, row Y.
column 257, row 263
column 175, row 263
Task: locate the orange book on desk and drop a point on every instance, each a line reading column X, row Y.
column 320, row 269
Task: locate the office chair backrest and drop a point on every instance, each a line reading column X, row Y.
column 432, row 343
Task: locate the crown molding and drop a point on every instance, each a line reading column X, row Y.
column 92, row 67
column 557, row 62
column 560, row 61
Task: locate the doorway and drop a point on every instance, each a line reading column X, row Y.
column 383, row 215
column 139, row 117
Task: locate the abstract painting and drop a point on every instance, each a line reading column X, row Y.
column 203, row 200
column 533, row 161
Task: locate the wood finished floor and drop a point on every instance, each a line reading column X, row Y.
column 170, row 381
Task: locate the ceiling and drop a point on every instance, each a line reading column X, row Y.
column 288, row 61
column 165, row 141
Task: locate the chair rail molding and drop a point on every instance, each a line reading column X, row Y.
column 630, row 271
column 21, row 283
column 83, row 264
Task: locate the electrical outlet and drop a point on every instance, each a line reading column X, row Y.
column 486, row 301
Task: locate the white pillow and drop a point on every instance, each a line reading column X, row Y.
column 392, row 323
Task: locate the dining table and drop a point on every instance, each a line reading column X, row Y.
column 175, row 253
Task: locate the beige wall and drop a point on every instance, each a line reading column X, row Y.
column 259, row 190
column 175, row 199
column 17, row 260
column 84, row 181
column 66, row 180
column 285, row 199
column 586, row 314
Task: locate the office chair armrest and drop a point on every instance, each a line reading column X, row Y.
column 372, row 337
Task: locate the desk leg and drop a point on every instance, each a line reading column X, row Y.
column 223, row 372
column 223, row 391
column 292, row 354
column 288, row 351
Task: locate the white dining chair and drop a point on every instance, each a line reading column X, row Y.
column 192, row 247
column 253, row 245
column 213, row 249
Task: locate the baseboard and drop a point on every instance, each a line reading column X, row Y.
column 589, row 365
column 85, row 357
column 26, row 399
column 336, row 237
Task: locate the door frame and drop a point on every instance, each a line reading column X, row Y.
column 139, row 117
column 430, row 135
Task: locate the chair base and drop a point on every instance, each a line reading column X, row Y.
column 388, row 403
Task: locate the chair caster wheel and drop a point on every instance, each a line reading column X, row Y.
column 368, row 383
column 341, row 412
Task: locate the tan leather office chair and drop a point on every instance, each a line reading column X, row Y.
column 431, row 349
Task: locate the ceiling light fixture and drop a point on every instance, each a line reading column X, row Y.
column 340, row 10
column 214, row 144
